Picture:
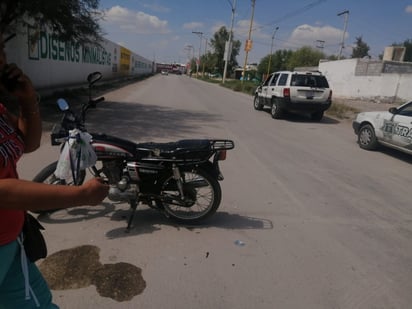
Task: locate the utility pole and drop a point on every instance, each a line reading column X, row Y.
column 203, row 64
column 200, row 47
column 248, row 42
column 228, row 49
column 271, row 49
column 346, row 13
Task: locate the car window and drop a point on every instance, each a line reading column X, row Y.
column 305, row 80
column 266, row 82
column 274, row 80
column 406, row 110
column 283, row 79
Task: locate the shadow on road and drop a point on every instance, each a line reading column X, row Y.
column 136, row 121
column 407, row 158
column 148, row 221
column 296, row 117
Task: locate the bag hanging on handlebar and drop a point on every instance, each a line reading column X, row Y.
column 77, row 155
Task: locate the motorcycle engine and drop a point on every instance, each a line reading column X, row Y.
column 121, row 189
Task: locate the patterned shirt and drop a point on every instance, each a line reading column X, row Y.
column 11, row 149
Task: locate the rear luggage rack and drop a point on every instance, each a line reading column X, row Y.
column 222, row 144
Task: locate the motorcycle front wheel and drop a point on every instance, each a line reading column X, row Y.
column 202, row 196
column 46, row 175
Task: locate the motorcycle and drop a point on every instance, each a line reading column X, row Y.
column 180, row 178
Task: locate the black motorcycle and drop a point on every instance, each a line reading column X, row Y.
column 179, row 178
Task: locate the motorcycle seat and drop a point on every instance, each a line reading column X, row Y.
column 187, row 148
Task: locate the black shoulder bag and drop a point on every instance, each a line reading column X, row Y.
column 33, row 241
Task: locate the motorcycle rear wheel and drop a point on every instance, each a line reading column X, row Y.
column 46, row 175
column 202, row 192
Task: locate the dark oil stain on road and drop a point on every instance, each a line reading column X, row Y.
column 79, row 267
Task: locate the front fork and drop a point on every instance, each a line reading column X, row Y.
column 178, row 178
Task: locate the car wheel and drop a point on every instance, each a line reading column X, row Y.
column 317, row 116
column 367, row 138
column 276, row 111
column 256, row 104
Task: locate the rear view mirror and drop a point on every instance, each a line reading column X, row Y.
column 63, row 105
column 393, row 110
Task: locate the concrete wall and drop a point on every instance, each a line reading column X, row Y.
column 52, row 63
column 366, row 79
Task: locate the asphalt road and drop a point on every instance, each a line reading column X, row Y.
column 307, row 219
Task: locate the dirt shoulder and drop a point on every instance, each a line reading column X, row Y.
column 365, row 105
column 344, row 108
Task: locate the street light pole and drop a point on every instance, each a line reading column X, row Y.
column 200, row 47
column 229, row 48
column 271, row 49
column 346, row 13
column 204, row 59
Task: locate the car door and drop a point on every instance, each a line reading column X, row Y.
column 273, row 89
column 265, row 85
column 402, row 126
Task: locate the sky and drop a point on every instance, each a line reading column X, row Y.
column 162, row 30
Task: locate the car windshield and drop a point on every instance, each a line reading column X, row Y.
column 307, row 80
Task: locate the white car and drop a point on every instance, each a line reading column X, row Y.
column 392, row 128
column 294, row 91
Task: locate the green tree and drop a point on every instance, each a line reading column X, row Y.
column 305, row 57
column 69, row 19
column 361, row 49
column 207, row 62
column 218, row 44
column 278, row 62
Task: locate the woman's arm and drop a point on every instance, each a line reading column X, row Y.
column 28, row 195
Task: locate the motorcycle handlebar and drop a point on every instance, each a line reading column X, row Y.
column 93, row 102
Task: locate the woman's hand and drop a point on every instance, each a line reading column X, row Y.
column 95, row 190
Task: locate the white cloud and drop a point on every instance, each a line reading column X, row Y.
column 408, row 9
column 309, row 35
column 135, row 22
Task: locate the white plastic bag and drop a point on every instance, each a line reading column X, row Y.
column 77, row 152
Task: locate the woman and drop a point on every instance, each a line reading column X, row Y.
column 21, row 134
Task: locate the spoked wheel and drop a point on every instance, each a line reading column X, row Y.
column 46, row 175
column 367, row 138
column 202, row 196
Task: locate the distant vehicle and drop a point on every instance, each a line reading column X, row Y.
column 392, row 128
column 215, row 75
column 294, row 91
column 164, row 72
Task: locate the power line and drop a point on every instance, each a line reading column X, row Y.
column 291, row 14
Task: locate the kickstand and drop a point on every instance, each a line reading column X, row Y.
column 133, row 205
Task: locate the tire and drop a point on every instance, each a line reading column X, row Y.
column 46, row 175
column 367, row 138
column 256, row 104
column 203, row 193
column 276, row 111
column 317, row 116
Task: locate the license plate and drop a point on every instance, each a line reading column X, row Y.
column 309, row 94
